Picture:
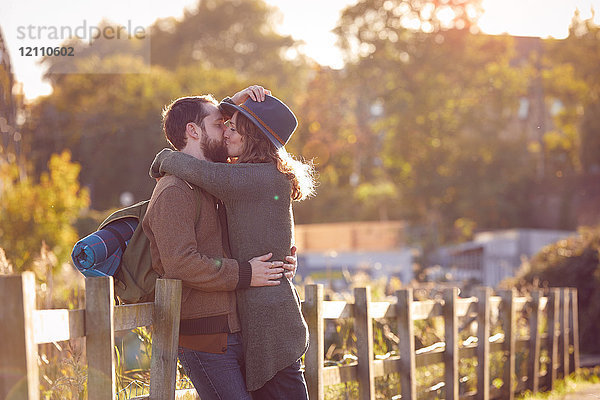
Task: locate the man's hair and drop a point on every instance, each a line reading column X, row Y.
column 181, row 112
column 256, row 148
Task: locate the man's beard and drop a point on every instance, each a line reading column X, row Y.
column 214, row 150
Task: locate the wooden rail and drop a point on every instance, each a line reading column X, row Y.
column 23, row 327
column 559, row 306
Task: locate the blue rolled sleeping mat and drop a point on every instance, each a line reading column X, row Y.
column 100, row 253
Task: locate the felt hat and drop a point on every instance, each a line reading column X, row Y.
column 271, row 116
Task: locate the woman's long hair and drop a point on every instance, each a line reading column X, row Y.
column 257, row 148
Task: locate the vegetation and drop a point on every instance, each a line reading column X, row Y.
column 573, row 383
column 573, row 262
column 32, row 213
column 421, row 124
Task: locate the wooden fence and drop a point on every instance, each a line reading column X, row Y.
column 562, row 343
column 22, row 327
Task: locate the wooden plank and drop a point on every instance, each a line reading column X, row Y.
column 466, row 307
column 543, row 303
column 509, row 328
column 315, row 354
column 552, row 310
column 165, row 339
column 19, row 373
column 564, row 332
column 426, row 309
column 533, row 367
column 519, row 303
column 100, row 338
column 483, row 343
column 495, row 302
column 385, row 367
column 363, row 328
column 451, row 337
column 337, row 310
column 431, row 357
column 574, row 323
column 406, row 334
column 341, row 374
column 131, row 316
column 58, row 325
column 382, row 309
column 436, row 356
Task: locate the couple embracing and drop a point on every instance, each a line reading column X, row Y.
column 220, row 219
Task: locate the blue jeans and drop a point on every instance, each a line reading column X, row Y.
column 217, row 376
column 288, row 384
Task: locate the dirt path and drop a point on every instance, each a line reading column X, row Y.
column 591, row 392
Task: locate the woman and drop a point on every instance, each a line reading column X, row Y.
column 257, row 189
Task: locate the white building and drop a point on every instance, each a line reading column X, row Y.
column 493, row 256
column 397, row 262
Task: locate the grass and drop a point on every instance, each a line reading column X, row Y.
column 573, row 383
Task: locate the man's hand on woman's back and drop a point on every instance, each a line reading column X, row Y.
column 264, row 272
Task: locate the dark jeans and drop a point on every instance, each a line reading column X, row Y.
column 287, row 384
column 217, row 376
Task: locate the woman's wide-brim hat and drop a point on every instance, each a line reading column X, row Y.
column 271, row 116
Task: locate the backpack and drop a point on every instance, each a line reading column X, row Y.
column 121, row 249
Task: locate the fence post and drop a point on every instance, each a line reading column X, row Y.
column 575, row 329
column 19, row 373
column 100, row 337
column 509, row 327
column 406, row 334
column 363, row 327
column 533, row 367
column 315, row 355
column 563, row 346
column 165, row 339
column 483, row 343
column 451, row 339
column 553, row 305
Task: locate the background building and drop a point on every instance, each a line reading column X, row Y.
column 492, row 256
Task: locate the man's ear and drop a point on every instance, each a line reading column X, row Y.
column 191, row 130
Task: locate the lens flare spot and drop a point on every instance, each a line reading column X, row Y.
column 276, row 197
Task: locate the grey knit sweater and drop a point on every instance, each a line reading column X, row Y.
column 260, row 221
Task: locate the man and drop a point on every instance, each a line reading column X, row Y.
column 190, row 245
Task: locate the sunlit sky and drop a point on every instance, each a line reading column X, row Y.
column 308, row 20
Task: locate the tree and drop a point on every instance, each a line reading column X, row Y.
column 35, row 212
column 572, row 83
column 112, row 123
column 327, row 134
column 434, row 101
column 235, row 35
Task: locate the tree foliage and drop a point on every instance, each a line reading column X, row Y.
column 231, row 34
column 33, row 212
column 111, row 122
column 419, row 125
column 572, row 81
column 431, row 102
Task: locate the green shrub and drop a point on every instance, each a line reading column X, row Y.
column 572, row 262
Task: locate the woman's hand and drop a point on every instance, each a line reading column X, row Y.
column 255, row 92
column 155, row 171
